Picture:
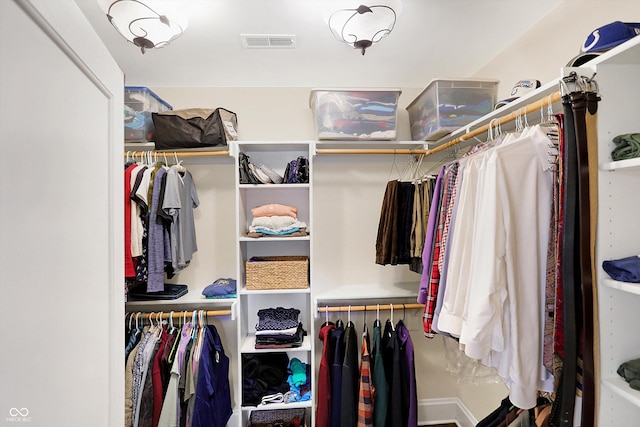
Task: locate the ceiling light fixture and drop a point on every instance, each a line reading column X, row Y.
column 148, row 25
column 363, row 26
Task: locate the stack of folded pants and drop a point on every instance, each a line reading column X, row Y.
column 279, row 328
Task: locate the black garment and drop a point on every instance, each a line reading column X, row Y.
column 498, row 414
column 263, row 374
column 405, row 222
column 391, row 355
column 337, row 344
column 350, row 378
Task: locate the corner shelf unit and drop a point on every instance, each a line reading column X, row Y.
column 275, row 155
column 618, row 234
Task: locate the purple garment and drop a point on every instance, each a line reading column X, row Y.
column 428, row 241
column 158, row 243
column 447, row 251
column 408, row 375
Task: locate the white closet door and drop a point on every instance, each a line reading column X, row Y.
column 61, row 244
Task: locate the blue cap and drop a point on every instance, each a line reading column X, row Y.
column 609, row 36
column 603, row 39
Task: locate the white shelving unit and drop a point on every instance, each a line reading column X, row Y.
column 618, row 234
column 275, row 155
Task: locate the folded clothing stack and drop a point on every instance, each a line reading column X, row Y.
column 279, row 328
column 221, row 288
column 276, row 220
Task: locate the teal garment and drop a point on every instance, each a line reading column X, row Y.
column 378, row 377
column 627, row 146
column 298, row 372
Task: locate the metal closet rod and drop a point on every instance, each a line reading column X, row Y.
column 181, row 153
column 529, row 108
column 372, row 307
column 178, row 314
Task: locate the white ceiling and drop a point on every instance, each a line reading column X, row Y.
column 432, row 39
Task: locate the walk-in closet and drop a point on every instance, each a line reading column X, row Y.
column 363, row 273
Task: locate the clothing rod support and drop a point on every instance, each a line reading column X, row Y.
column 372, row 307
column 416, row 151
column 184, row 153
column 530, row 108
column 179, row 314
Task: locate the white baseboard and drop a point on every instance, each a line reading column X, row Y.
column 441, row 411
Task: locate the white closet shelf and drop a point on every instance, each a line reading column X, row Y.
column 622, row 389
column 633, row 288
column 193, row 299
column 272, row 186
column 369, row 292
column 245, row 291
column 621, row 164
column 306, row 404
column 272, row 239
column 248, row 346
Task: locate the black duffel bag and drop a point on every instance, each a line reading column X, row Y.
column 194, row 128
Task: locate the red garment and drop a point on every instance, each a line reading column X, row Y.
column 323, row 401
column 129, row 268
column 158, row 386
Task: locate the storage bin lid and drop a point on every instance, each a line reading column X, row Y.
column 150, row 92
column 315, row 90
column 434, row 81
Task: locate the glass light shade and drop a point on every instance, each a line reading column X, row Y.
column 360, row 24
column 147, row 24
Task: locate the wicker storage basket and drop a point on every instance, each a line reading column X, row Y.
column 277, row 272
column 293, row 417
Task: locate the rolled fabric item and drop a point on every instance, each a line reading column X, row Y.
column 627, row 146
column 263, row 177
column 624, row 269
column 630, row 371
column 275, row 209
column 275, row 177
column 298, row 372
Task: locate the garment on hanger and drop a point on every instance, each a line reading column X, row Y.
column 349, row 378
column 337, row 343
column 323, row 400
column 365, row 389
column 391, row 360
column 408, row 376
column 160, row 234
column 379, row 379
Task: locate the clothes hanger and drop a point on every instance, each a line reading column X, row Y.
column 394, row 166
column 178, row 164
column 171, row 327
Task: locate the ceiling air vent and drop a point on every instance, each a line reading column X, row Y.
column 268, row 41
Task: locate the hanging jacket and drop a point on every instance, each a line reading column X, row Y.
column 350, row 374
column 391, row 355
column 323, row 401
column 408, row 375
column 378, row 378
column 336, row 372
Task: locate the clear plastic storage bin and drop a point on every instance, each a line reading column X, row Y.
column 355, row 114
column 446, row 105
column 139, row 103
